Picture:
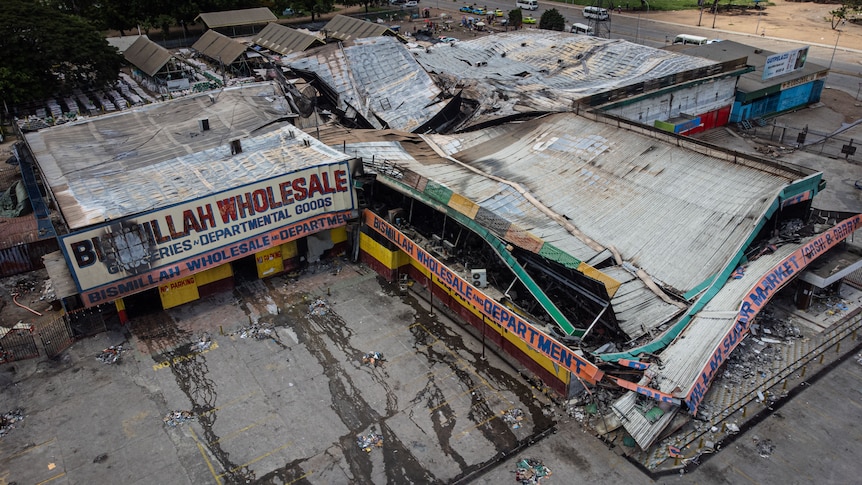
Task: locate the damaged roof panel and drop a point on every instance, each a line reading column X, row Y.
column 670, row 210
column 540, row 70
column 636, row 307
column 114, row 165
column 685, row 358
column 379, row 78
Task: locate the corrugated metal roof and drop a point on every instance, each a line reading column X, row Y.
column 636, row 423
column 636, row 307
column 111, row 166
column 346, row 28
column 285, row 40
column 218, row 46
column 684, row 359
column 674, row 212
column 18, row 230
column 231, row 18
column 147, row 56
column 122, row 43
column 378, row 78
column 541, row 70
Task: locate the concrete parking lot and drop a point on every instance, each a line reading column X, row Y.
column 281, row 409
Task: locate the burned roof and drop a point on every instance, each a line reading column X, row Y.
column 285, row 40
column 218, row 46
column 663, row 204
column 541, row 70
column 376, row 77
column 112, row 166
column 147, row 56
column 235, row 18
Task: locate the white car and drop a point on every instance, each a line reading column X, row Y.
column 412, row 3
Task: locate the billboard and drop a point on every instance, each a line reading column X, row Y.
column 761, row 293
column 785, row 63
column 146, row 250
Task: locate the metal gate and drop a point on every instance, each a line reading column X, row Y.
column 87, row 322
column 56, row 336
column 17, row 343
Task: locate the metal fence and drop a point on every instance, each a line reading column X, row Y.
column 811, row 141
column 18, row 343
column 56, row 336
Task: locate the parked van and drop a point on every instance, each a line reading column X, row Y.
column 596, row 13
column 690, row 39
column 527, row 4
column 582, row 29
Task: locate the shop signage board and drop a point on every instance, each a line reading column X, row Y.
column 146, row 250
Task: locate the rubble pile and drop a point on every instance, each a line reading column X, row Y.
column 513, row 417
column 319, row 307
column 8, row 420
column 111, row 355
column 530, row 471
column 373, row 359
column 764, row 447
column 367, row 442
column 175, row 418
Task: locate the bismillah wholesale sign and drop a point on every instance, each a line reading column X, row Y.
column 122, row 257
column 761, row 293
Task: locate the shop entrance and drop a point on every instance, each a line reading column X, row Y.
column 143, row 303
column 244, row 269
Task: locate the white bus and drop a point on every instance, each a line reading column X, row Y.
column 690, row 39
column 582, row 29
column 527, row 4
column 596, row 13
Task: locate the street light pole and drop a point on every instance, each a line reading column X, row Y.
column 835, row 48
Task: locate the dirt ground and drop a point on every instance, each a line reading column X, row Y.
column 802, row 21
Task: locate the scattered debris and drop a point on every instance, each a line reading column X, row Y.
column 319, row 307
column 204, row 343
column 101, row 458
column 373, row 359
column 111, row 355
column 732, row 428
column 531, row 471
column 174, row 418
column 859, row 359
column 257, row 331
column 8, row 420
column 369, row 441
column 513, row 417
column 764, row 447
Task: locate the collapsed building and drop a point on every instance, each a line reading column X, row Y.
column 538, row 184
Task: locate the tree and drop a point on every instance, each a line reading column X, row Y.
column 552, row 20
column 847, row 8
column 316, row 7
column 44, row 52
column 516, row 18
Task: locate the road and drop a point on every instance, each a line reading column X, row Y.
column 634, row 26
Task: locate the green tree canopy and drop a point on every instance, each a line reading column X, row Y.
column 44, row 52
column 552, row 19
column 516, row 17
